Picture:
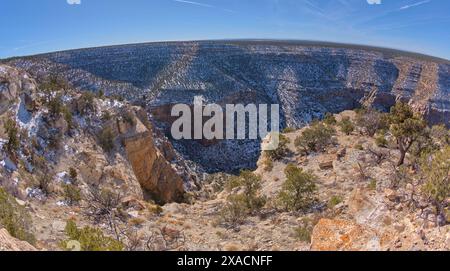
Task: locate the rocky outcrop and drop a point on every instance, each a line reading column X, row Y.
column 15, row 85
column 343, row 235
column 149, row 159
column 156, row 175
column 9, row 243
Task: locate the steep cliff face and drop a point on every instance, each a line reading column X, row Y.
column 306, row 79
column 140, row 161
column 154, row 172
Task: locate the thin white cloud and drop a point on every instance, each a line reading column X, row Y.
column 74, row 2
column 374, row 2
column 194, row 3
column 202, row 5
column 415, row 4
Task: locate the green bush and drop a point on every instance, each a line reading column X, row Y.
column 299, row 189
column 329, row 119
column 72, row 194
column 359, row 147
column 436, row 171
column 68, row 117
column 55, row 106
column 106, row 116
column 12, row 131
column 86, row 103
column 406, row 127
column 381, row 141
column 316, row 138
column 247, row 202
column 371, row 121
column 251, row 184
column 288, row 130
column 73, row 175
column 54, row 83
column 335, row 200
column 423, row 145
column 44, row 181
column 106, row 139
column 281, row 151
column 100, row 94
column 346, row 126
column 440, row 134
column 303, row 233
column 90, row 239
column 15, row 218
column 235, row 210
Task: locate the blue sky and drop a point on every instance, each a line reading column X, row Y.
column 36, row 26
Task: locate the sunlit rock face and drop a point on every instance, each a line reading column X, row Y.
column 305, row 78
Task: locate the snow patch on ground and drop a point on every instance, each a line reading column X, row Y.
column 35, row 193
column 63, row 177
column 28, row 121
column 23, row 115
column 61, row 203
column 2, row 143
column 8, row 164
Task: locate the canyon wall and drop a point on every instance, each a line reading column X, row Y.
column 306, row 79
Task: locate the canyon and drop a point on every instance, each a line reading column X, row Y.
column 92, row 145
column 306, row 79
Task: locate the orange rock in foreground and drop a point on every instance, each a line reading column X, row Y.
column 343, row 235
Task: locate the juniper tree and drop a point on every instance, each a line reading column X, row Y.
column 12, row 131
column 298, row 191
column 406, row 127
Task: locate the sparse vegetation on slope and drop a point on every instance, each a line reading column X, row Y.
column 316, row 138
column 281, row 151
column 15, row 218
column 90, row 239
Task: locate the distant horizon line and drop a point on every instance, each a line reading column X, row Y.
column 300, row 42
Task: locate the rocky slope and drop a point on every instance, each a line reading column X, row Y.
column 305, row 78
column 71, row 137
column 125, row 165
